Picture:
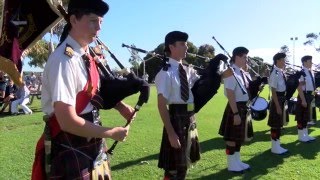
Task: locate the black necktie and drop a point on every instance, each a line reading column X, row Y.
column 244, row 78
column 312, row 80
column 184, row 86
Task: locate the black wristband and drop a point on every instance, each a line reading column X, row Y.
column 236, row 113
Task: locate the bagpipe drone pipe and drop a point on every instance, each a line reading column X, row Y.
column 210, row 79
column 114, row 89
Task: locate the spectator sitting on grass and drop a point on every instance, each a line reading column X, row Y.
column 22, row 96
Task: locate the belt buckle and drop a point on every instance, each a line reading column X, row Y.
column 190, row 107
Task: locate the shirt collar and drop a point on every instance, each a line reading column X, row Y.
column 276, row 68
column 75, row 45
column 173, row 62
column 236, row 68
column 305, row 69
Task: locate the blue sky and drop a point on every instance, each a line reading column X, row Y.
column 263, row 26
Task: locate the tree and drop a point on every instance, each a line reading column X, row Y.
column 154, row 64
column 312, row 38
column 39, row 53
column 206, row 51
column 257, row 65
column 134, row 60
column 285, row 49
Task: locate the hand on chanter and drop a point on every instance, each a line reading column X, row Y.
column 126, row 111
column 120, row 133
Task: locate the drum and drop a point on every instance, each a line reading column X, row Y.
column 292, row 104
column 259, row 108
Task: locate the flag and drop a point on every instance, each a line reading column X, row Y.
column 24, row 22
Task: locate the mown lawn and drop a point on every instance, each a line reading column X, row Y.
column 137, row 157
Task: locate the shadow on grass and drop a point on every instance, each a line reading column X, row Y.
column 266, row 160
column 263, row 161
column 8, row 114
column 135, row 162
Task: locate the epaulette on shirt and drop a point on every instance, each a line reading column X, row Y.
column 166, row 64
column 227, row 73
column 68, row 51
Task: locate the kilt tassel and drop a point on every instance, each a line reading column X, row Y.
column 192, row 146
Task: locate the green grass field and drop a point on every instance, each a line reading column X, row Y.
column 137, row 157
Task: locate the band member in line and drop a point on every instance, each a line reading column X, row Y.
column 233, row 124
column 278, row 115
column 74, row 136
column 306, row 90
column 173, row 83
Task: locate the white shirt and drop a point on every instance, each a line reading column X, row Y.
column 168, row 82
column 276, row 79
column 232, row 84
column 308, row 80
column 64, row 77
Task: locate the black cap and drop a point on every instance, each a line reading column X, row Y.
column 306, row 58
column 278, row 56
column 98, row 7
column 175, row 36
column 239, row 51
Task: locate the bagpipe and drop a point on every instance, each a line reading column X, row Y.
column 293, row 83
column 113, row 89
column 208, row 83
column 257, row 105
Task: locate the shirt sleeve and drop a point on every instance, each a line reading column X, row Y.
column 273, row 80
column 162, row 82
column 62, row 82
column 230, row 83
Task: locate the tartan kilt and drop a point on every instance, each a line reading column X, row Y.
column 302, row 113
column 75, row 162
column 176, row 159
column 231, row 132
column 275, row 120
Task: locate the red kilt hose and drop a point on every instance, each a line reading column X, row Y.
column 169, row 157
column 275, row 120
column 231, row 132
column 73, row 156
column 302, row 113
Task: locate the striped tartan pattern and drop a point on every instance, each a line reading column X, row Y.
column 47, row 145
column 184, row 86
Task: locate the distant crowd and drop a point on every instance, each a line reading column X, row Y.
column 12, row 97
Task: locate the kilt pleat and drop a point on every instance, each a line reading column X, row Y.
column 169, row 157
column 275, row 120
column 232, row 132
column 72, row 156
column 303, row 114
